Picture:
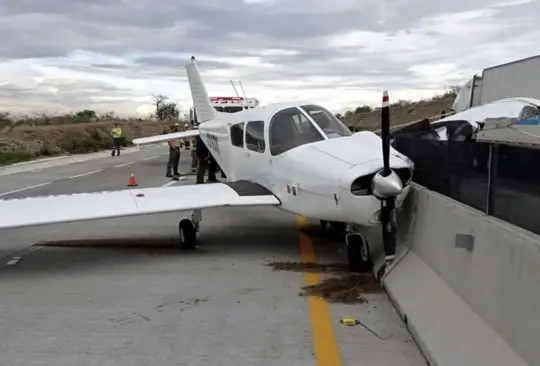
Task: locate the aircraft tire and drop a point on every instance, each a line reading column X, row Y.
column 358, row 253
column 188, row 234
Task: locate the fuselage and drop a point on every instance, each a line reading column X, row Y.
column 511, row 108
column 306, row 157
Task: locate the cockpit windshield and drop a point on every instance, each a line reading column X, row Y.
column 290, row 128
column 331, row 126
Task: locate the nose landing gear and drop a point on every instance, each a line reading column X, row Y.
column 358, row 251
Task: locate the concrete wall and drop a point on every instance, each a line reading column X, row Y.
column 467, row 284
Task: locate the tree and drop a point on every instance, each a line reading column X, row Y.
column 109, row 116
column 5, row 121
column 363, row 109
column 165, row 109
column 451, row 91
column 454, row 88
column 85, row 116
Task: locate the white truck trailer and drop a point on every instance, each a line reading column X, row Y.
column 519, row 78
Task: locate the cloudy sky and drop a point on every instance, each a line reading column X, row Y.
column 61, row 55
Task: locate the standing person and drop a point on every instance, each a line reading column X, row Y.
column 116, row 134
column 202, row 156
column 212, row 169
column 193, row 148
column 174, row 155
column 205, row 160
column 189, row 144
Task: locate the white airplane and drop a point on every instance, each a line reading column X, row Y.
column 471, row 123
column 297, row 157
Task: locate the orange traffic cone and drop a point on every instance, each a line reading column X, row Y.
column 132, row 181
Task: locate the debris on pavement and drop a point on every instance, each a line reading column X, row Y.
column 309, row 267
column 342, row 286
column 348, row 289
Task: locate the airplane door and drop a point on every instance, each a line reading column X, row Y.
column 258, row 167
column 238, row 153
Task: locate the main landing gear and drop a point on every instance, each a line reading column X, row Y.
column 188, row 229
column 358, row 253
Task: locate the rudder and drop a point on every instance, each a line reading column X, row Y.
column 201, row 100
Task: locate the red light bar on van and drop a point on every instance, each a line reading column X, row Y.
column 226, row 100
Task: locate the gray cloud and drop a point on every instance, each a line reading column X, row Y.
column 143, row 40
column 146, row 26
column 57, row 96
column 109, row 66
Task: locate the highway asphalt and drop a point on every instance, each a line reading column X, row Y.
column 120, row 292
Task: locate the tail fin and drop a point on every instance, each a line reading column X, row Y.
column 201, row 100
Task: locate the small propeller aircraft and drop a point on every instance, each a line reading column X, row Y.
column 473, row 124
column 296, row 156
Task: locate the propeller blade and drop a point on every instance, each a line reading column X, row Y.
column 385, row 133
column 388, row 204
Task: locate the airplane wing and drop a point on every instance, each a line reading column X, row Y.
column 35, row 211
column 166, row 137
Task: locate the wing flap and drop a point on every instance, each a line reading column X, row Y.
column 165, row 137
column 35, row 211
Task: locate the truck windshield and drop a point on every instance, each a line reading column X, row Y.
column 331, row 126
column 233, row 109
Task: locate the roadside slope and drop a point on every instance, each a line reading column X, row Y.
column 24, row 142
column 400, row 113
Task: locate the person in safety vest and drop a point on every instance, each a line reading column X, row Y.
column 174, row 154
column 116, row 134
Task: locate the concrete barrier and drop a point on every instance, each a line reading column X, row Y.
column 466, row 284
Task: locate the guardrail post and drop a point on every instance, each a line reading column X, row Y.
column 492, row 176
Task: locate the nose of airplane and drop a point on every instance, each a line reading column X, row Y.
column 368, row 178
column 357, row 149
column 386, row 186
column 362, row 160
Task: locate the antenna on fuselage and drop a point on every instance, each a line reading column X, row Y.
column 246, row 103
column 236, row 91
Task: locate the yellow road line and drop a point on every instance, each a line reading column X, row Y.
column 324, row 339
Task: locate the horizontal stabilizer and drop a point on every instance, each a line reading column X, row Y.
column 166, row 137
column 35, row 211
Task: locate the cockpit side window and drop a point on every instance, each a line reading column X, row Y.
column 330, row 124
column 237, row 134
column 255, row 136
column 529, row 112
column 289, row 128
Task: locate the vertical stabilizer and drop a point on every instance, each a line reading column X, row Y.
column 201, row 100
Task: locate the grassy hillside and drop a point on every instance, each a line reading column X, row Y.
column 400, row 113
column 27, row 142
